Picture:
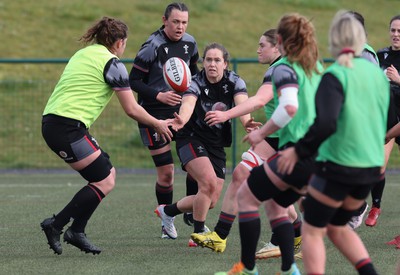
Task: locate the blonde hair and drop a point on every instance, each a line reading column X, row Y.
column 299, row 41
column 346, row 38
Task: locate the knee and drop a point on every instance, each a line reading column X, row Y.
column 208, row 186
column 107, row 184
column 165, row 175
column 239, row 175
column 334, row 233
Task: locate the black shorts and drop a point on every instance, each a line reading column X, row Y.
column 301, row 173
column 273, row 142
column 191, row 148
column 394, row 112
column 150, row 137
column 68, row 138
column 338, row 191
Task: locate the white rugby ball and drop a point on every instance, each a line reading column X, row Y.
column 219, row 106
column 177, row 74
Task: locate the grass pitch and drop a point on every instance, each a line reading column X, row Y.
column 128, row 231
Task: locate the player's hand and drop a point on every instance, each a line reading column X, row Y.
column 177, row 122
column 253, row 138
column 393, row 74
column 170, row 98
column 163, row 131
column 287, row 160
column 252, row 125
column 215, row 117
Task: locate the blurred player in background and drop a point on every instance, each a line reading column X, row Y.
column 369, row 54
column 389, row 61
column 155, row 96
column 84, row 89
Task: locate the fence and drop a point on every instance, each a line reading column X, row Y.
column 22, row 102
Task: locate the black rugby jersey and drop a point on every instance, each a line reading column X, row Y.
column 388, row 57
column 207, row 95
column 146, row 76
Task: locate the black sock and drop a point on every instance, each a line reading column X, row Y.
column 365, row 267
column 273, row 240
column 191, row 186
column 172, row 210
column 284, row 233
column 224, row 224
column 79, row 223
column 164, row 194
column 377, row 192
column 86, row 200
column 198, row 226
column 249, row 226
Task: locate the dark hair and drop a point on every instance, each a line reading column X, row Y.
column 106, row 32
column 357, row 16
column 218, row 46
column 397, row 17
column 299, row 41
column 174, row 6
column 270, row 35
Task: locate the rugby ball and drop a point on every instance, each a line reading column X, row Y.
column 219, row 106
column 177, row 74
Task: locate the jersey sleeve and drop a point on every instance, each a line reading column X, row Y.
column 240, row 87
column 369, row 56
column 284, row 76
column 116, row 75
column 267, row 77
column 194, row 90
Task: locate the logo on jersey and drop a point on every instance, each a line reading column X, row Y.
column 186, row 47
column 225, row 87
column 206, row 91
column 385, row 55
column 166, row 50
column 63, row 154
column 200, row 149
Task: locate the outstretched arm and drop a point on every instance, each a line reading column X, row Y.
column 247, row 121
column 185, row 112
column 135, row 111
column 262, row 97
column 282, row 115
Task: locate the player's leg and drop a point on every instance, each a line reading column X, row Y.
column 377, row 190
column 191, row 189
column 347, row 241
column 162, row 158
column 84, row 155
column 250, row 159
column 160, row 152
column 209, row 186
column 271, row 249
